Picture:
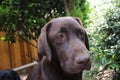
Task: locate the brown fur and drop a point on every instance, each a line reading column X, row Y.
column 64, row 47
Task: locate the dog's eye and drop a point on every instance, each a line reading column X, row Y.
column 80, row 34
column 61, row 35
column 60, row 38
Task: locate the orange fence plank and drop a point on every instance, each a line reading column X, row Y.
column 4, row 56
column 16, row 54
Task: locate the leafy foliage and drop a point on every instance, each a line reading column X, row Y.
column 104, row 32
column 25, row 18
column 79, row 8
column 111, row 39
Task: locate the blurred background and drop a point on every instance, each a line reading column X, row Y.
column 22, row 20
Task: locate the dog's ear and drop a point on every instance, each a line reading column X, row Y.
column 43, row 46
column 79, row 21
column 86, row 41
column 86, row 37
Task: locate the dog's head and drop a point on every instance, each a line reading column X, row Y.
column 70, row 42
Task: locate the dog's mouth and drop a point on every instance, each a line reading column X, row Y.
column 74, row 69
column 86, row 66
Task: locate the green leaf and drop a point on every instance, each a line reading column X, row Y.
column 34, row 21
column 113, row 56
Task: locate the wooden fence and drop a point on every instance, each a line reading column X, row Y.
column 16, row 54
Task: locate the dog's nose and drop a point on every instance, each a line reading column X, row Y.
column 82, row 60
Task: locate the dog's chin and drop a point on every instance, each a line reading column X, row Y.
column 73, row 70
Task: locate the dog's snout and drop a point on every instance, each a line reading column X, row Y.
column 82, row 60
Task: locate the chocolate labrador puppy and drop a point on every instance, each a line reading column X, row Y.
column 63, row 45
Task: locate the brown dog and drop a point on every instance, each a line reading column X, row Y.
column 63, row 43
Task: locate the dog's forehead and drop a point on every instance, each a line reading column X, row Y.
column 67, row 22
column 62, row 21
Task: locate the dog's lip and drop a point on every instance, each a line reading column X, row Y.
column 75, row 70
column 81, row 68
column 84, row 67
column 87, row 66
